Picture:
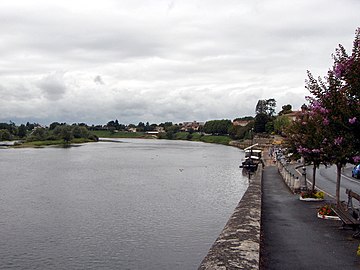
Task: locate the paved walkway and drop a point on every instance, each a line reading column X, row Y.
column 294, row 238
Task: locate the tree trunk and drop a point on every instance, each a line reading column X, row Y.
column 313, row 179
column 338, row 179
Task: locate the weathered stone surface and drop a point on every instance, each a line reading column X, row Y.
column 238, row 246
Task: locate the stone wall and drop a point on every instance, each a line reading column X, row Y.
column 238, row 246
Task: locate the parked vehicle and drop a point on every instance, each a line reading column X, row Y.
column 356, row 172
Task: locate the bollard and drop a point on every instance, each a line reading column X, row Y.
column 287, row 177
column 292, row 180
column 297, row 183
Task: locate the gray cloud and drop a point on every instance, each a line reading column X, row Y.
column 53, row 86
column 98, row 80
column 163, row 60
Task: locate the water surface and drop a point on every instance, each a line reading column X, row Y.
column 138, row 204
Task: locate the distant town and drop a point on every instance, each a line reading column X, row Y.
column 217, row 131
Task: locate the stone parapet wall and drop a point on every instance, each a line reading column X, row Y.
column 238, row 246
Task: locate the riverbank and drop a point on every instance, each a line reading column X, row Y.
column 185, row 136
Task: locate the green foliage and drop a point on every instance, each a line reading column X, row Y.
column 115, row 125
column 22, row 131
column 182, row 136
column 54, row 125
column 261, row 120
column 220, row 127
column 38, row 134
column 11, row 128
column 5, row 135
column 266, row 106
column 281, row 124
column 64, row 132
column 216, row 139
column 239, row 132
column 286, row 109
column 80, row 132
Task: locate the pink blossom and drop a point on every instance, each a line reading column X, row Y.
column 326, row 122
column 323, row 110
column 316, row 151
column 356, row 159
column 352, row 120
column 338, row 140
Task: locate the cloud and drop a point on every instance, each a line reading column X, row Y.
column 98, row 80
column 53, row 86
column 156, row 61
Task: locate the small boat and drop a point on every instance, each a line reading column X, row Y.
column 252, row 158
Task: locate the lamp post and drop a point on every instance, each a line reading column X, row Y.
column 304, row 186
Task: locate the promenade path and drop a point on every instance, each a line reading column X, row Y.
column 294, row 238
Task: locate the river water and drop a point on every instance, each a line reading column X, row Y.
column 132, row 204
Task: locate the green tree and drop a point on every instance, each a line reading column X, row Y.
column 5, row 135
column 171, row 131
column 64, row 132
column 39, row 134
column 22, row 131
column 80, row 132
column 281, row 124
column 261, row 120
column 306, row 138
column 285, row 109
column 219, row 127
column 266, row 106
column 53, row 125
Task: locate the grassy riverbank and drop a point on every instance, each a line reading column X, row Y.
column 121, row 134
column 40, row 144
column 186, row 136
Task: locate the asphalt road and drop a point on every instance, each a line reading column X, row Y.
column 326, row 180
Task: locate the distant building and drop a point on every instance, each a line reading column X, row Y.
column 159, row 129
column 195, row 126
column 242, row 123
column 292, row 115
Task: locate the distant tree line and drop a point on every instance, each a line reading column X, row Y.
column 35, row 132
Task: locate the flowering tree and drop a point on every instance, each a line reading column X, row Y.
column 336, row 101
column 306, row 137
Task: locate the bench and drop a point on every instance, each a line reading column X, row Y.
column 348, row 214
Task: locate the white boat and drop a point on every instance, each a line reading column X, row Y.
column 252, row 158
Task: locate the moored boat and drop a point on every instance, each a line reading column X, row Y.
column 252, row 158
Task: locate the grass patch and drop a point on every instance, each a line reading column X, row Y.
column 182, row 136
column 40, row 144
column 120, row 134
column 216, row 139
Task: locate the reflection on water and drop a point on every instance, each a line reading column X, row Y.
column 141, row 204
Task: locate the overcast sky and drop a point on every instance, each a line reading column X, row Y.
column 162, row 60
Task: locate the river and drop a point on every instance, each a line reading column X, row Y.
column 131, row 204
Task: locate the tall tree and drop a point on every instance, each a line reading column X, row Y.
column 285, row 109
column 336, row 100
column 22, row 131
column 305, row 136
column 266, row 106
